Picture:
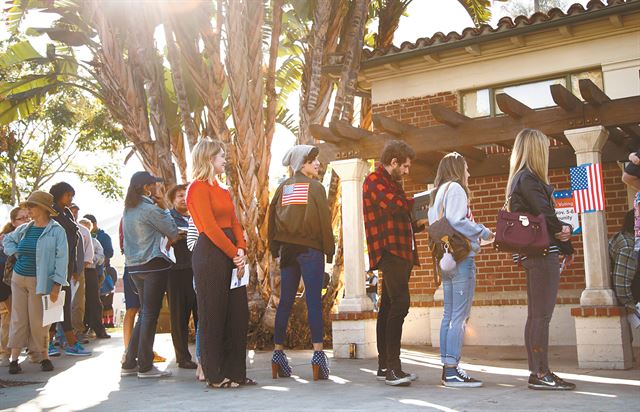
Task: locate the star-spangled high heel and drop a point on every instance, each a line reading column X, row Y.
column 279, row 365
column 320, row 366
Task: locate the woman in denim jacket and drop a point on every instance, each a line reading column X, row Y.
column 42, row 255
column 452, row 191
column 145, row 223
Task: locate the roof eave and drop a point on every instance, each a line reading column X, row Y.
column 624, row 8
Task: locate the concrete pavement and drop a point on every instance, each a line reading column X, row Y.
column 94, row 384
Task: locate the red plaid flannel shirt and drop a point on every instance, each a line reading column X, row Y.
column 387, row 218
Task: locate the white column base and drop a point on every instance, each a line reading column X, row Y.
column 598, row 297
column 361, row 332
column 603, row 342
column 355, row 304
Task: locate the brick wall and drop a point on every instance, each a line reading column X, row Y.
column 416, row 111
column 496, row 272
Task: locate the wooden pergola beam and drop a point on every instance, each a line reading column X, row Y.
column 495, row 130
column 564, row 98
column 342, row 128
column 512, row 107
column 447, row 116
column 391, row 126
column 324, row 133
column 472, row 153
column 563, row 156
column 592, row 93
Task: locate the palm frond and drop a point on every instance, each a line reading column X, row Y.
column 478, row 10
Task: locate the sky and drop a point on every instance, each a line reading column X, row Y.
column 423, row 18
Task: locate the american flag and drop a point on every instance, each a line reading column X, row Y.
column 295, row 194
column 587, row 187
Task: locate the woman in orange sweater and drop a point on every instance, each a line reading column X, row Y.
column 223, row 325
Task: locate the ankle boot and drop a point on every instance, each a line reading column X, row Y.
column 279, row 365
column 320, row 365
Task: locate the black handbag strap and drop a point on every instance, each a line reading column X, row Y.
column 515, row 182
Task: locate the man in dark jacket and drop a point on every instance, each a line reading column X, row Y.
column 182, row 297
column 392, row 249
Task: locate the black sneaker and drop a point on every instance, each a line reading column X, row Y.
column 397, row 378
column 549, row 382
column 14, row 368
column 382, row 374
column 46, row 365
column 456, row 377
column 411, row 376
column 188, row 364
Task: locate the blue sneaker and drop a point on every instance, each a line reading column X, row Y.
column 53, row 351
column 77, row 350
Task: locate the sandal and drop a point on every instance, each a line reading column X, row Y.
column 247, row 382
column 200, row 374
column 225, row 384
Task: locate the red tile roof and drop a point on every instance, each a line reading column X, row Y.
column 506, row 27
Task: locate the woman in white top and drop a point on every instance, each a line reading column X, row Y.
column 451, row 189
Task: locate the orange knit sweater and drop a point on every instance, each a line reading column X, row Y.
column 212, row 210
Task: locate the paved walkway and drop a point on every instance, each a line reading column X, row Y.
column 94, row 384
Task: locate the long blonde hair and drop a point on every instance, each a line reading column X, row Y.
column 452, row 168
column 530, row 151
column 202, row 156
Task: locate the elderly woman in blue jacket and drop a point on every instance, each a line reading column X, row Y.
column 40, row 248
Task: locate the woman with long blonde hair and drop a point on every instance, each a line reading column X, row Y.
column 224, row 312
column 450, row 200
column 529, row 191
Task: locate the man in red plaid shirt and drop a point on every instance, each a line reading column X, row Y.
column 391, row 244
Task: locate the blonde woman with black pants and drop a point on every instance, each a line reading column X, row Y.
column 529, row 191
column 223, row 312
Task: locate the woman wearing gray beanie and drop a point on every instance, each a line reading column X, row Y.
column 300, row 234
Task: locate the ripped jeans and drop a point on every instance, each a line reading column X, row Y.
column 458, row 287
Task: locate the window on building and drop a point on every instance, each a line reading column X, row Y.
column 536, row 94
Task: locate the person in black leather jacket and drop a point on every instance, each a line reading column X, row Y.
column 530, row 192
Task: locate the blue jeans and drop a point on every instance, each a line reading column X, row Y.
column 458, row 287
column 151, row 287
column 311, row 266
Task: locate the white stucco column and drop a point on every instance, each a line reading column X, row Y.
column 588, row 143
column 352, row 173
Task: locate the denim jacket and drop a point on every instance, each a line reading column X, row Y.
column 52, row 254
column 143, row 227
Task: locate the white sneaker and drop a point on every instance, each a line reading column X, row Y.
column 154, row 373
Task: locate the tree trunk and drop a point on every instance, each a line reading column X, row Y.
column 343, row 104
column 179, row 85
column 317, row 88
column 244, row 68
column 121, row 87
column 263, row 152
column 388, row 20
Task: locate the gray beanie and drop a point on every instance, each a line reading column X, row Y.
column 297, row 155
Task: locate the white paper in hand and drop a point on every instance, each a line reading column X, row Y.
column 167, row 250
column 52, row 311
column 238, row 283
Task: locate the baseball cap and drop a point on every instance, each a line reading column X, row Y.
column 144, row 178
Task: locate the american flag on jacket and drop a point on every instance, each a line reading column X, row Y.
column 587, row 187
column 387, row 218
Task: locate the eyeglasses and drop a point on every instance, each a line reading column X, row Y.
column 21, row 219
